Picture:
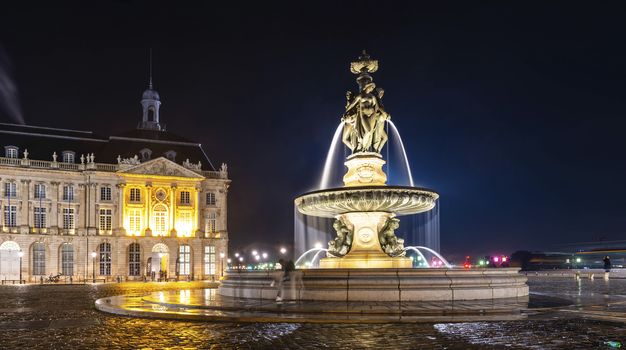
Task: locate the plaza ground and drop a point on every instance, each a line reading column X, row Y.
column 63, row 316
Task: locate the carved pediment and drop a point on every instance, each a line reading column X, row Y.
column 161, row 167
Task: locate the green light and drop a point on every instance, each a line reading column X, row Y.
column 577, row 260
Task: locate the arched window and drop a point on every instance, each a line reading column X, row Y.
column 171, row 155
column 151, row 114
column 105, row 259
column 11, row 151
column 68, row 156
column 146, row 154
column 10, row 260
column 39, row 258
column 184, row 259
column 67, row 259
column 134, row 259
column 159, row 220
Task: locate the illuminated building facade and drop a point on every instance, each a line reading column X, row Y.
column 145, row 204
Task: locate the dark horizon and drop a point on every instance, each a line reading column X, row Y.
column 514, row 114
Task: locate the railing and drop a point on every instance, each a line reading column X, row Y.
column 45, row 164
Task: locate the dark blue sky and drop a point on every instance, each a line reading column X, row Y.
column 515, row 114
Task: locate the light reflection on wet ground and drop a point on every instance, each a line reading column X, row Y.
column 49, row 317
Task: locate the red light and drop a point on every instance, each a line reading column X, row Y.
column 504, row 259
column 496, row 259
column 467, row 266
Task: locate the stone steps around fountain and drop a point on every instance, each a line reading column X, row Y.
column 381, row 284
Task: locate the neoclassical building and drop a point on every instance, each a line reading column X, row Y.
column 142, row 204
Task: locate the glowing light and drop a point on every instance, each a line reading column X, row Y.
column 93, row 255
column 241, row 258
column 257, row 257
column 504, row 259
column 228, row 261
column 264, row 255
column 255, row 253
column 222, row 255
column 318, row 245
column 283, row 250
column 236, row 255
column 496, row 259
column 577, row 260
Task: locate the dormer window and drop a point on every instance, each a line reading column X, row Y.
column 11, row 151
column 171, row 155
column 68, row 156
column 145, row 154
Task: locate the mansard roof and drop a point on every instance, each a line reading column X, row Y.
column 41, row 142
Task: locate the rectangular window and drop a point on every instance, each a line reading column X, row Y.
column 68, row 193
column 10, row 215
column 67, row 259
column 68, row 157
column 209, row 260
column 10, row 189
column 105, row 220
column 212, row 223
column 184, row 259
column 183, row 224
column 135, row 195
column 105, row 259
column 39, row 258
column 68, row 219
column 134, row 221
column 105, row 193
column 210, row 198
column 160, row 222
column 184, row 198
column 40, row 191
column 134, row 260
column 40, row 217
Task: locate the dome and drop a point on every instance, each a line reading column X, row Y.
column 150, row 94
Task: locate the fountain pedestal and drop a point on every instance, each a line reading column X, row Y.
column 365, row 252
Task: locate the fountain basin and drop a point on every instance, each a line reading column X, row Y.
column 388, row 284
column 400, row 200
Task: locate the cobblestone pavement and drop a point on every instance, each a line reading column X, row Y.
column 63, row 317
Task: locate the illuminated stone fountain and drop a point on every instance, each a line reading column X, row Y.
column 366, row 261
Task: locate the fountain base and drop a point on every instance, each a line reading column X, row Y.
column 365, row 252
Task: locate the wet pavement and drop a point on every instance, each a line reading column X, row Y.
column 64, row 317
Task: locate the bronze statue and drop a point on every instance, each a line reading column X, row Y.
column 389, row 242
column 364, row 118
column 340, row 246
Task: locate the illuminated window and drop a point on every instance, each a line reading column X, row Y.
column 67, row 259
column 134, row 221
column 39, row 258
column 209, row 260
column 68, row 193
column 134, row 259
column 40, row 217
column 159, row 215
column 105, row 193
column 210, row 198
column 185, row 198
column 10, row 190
column 212, row 223
column 10, row 215
column 68, row 219
column 105, row 220
column 68, row 156
column 11, row 151
column 135, row 195
column 183, row 223
column 105, row 259
column 40, row 191
column 184, row 259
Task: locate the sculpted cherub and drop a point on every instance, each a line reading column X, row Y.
column 389, row 242
column 340, row 246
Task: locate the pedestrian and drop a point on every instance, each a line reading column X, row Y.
column 287, row 267
column 607, row 267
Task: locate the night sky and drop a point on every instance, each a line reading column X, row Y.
column 514, row 114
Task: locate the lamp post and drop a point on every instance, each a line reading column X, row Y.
column 222, row 255
column 20, row 254
column 93, row 263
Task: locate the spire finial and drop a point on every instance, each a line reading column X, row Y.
column 150, row 83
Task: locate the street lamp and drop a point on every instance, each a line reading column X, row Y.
column 283, row 250
column 20, row 254
column 236, row 255
column 240, row 261
column 93, row 261
column 255, row 253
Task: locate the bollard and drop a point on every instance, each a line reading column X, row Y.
column 606, row 276
column 577, row 275
column 591, row 276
